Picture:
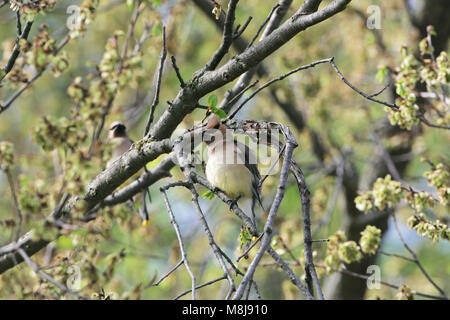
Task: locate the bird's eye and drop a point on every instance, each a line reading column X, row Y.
column 113, row 127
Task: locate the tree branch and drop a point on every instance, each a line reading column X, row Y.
column 265, row 241
column 227, row 37
column 4, row 106
column 16, row 50
column 416, row 260
column 180, row 239
column 158, row 82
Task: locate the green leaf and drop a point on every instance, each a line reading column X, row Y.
column 218, row 112
column 208, row 195
column 212, row 101
column 157, row 29
column 381, row 74
column 130, row 4
column 245, row 237
column 64, row 243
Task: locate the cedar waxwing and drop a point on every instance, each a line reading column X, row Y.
column 231, row 165
column 121, row 143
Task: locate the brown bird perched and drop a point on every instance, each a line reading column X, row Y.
column 231, row 165
column 121, row 143
column 119, row 138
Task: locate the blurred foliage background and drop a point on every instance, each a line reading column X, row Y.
column 119, row 257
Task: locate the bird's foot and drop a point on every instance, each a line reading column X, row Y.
column 231, row 203
column 216, row 189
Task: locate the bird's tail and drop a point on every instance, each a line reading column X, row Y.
column 256, row 197
column 143, row 211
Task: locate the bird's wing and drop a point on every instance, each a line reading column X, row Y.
column 250, row 162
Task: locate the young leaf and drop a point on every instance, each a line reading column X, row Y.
column 212, row 101
column 218, row 112
column 130, row 4
column 157, row 29
column 381, row 74
column 208, row 195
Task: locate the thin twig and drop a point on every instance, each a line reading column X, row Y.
column 16, row 50
column 250, row 247
column 47, row 277
column 249, row 289
column 239, row 31
column 166, row 275
column 365, row 277
column 200, row 286
column 380, row 91
column 416, row 259
column 338, row 72
column 180, row 240
column 216, row 249
column 371, row 98
column 145, row 35
column 19, row 23
column 221, row 195
column 310, row 271
column 310, row 65
column 177, row 71
column 396, row 255
column 271, row 167
column 289, row 251
column 240, row 93
column 319, row 240
column 294, row 279
column 15, row 202
column 162, row 59
column 428, row 123
column 15, row 95
column 227, row 37
column 262, row 25
column 257, row 292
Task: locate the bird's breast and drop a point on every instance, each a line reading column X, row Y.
column 234, row 179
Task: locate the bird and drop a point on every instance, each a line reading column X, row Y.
column 231, row 165
column 121, row 143
column 118, row 137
